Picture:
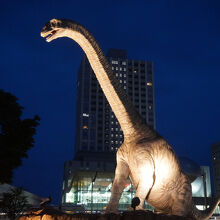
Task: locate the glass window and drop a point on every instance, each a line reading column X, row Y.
column 114, row 62
column 123, row 63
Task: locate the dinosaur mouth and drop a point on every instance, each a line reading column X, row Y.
column 48, row 34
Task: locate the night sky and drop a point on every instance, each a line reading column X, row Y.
column 182, row 38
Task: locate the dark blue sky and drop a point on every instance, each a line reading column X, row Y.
column 182, row 38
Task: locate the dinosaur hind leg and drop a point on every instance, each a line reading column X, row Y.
column 182, row 198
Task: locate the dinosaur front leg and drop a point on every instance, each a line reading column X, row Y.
column 121, row 175
column 146, row 182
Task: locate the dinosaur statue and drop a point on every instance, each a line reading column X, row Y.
column 145, row 157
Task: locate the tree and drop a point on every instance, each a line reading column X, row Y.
column 14, row 203
column 16, row 135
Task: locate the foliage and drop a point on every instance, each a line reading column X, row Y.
column 14, row 203
column 16, row 135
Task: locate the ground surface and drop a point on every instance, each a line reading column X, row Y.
column 52, row 214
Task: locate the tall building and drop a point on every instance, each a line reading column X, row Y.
column 97, row 129
column 87, row 179
column 215, row 151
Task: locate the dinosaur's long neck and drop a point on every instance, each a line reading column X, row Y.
column 131, row 123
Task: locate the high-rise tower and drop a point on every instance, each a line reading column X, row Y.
column 97, row 129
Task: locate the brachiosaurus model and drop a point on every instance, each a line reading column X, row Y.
column 145, row 156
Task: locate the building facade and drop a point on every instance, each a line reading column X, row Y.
column 215, row 153
column 97, row 129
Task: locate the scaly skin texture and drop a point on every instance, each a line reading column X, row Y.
column 145, row 157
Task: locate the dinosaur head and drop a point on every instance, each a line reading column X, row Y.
column 53, row 29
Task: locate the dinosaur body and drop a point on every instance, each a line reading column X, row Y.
column 155, row 172
column 145, row 157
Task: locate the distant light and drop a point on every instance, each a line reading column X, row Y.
column 114, row 62
column 85, row 115
column 69, row 197
column 149, row 83
column 123, row 63
column 85, row 127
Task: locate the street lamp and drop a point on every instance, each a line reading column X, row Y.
column 93, row 180
column 204, row 188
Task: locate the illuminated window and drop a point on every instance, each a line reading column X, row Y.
column 116, row 74
column 120, row 69
column 150, row 107
column 114, row 62
column 135, row 71
column 120, row 81
column 123, row 63
column 116, row 68
column 124, row 69
column 125, row 75
column 120, row 75
column 85, row 127
column 149, row 83
column 112, row 68
column 85, row 115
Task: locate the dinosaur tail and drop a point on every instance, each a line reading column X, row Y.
column 205, row 214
